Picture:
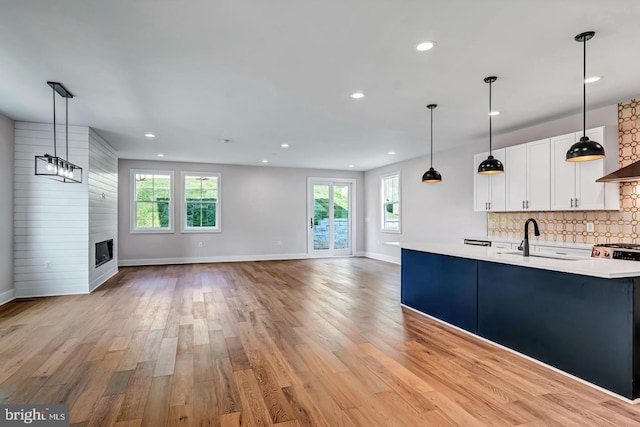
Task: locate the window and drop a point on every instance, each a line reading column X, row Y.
column 390, row 196
column 152, row 201
column 201, row 202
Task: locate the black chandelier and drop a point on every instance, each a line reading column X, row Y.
column 54, row 166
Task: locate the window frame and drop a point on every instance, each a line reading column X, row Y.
column 383, row 223
column 133, row 228
column 183, row 203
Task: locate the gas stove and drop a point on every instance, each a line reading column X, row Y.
column 627, row 251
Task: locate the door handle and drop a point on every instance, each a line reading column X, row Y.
column 311, row 223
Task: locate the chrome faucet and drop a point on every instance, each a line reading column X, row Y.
column 536, row 231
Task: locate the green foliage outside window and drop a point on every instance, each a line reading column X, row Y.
column 201, row 197
column 153, row 197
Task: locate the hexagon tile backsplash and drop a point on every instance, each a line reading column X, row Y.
column 570, row 226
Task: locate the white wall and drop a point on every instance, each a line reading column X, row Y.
column 51, row 218
column 437, row 212
column 261, row 206
column 444, row 211
column 6, row 209
column 103, row 206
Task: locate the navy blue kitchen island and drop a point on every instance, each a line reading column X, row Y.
column 580, row 316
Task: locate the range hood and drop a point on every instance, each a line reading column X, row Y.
column 628, row 173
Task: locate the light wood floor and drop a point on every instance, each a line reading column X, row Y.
column 310, row 342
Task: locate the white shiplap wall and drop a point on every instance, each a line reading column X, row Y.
column 51, row 218
column 103, row 206
column 57, row 224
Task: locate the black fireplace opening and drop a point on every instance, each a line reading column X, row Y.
column 104, row 252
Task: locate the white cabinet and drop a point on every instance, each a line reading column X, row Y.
column 559, row 250
column 501, row 245
column 573, row 184
column 528, row 179
column 489, row 190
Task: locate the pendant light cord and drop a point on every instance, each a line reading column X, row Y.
column 66, row 128
column 490, row 82
column 431, row 138
column 584, row 88
column 55, row 154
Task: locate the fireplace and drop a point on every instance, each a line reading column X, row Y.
column 104, row 252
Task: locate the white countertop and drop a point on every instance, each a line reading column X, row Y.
column 533, row 241
column 597, row 267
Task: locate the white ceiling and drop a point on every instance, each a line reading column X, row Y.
column 261, row 73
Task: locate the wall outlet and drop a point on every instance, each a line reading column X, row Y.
column 200, row 244
column 590, row 227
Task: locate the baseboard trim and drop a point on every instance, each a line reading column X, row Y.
column 205, row 260
column 381, row 257
column 100, row 280
column 45, row 292
column 7, row 296
column 554, row 369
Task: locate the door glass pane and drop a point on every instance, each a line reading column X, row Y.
column 321, row 216
column 340, row 216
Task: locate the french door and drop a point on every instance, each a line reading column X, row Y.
column 330, row 217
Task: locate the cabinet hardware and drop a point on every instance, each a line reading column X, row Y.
column 576, row 202
column 311, row 223
column 572, row 202
column 523, row 204
column 527, row 204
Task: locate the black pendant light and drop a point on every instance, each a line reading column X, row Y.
column 491, row 165
column 431, row 175
column 585, row 149
column 54, row 166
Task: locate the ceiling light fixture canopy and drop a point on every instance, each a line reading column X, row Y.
column 54, row 166
column 491, row 165
column 432, row 175
column 585, row 149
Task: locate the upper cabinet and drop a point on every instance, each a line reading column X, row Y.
column 528, row 180
column 574, row 184
column 538, row 178
column 489, row 190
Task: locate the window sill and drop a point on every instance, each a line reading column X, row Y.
column 151, row 231
column 201, row 231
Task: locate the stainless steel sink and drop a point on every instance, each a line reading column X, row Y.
column 534, row 255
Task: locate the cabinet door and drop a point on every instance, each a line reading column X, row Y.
column 590, row 194
column 516, row 177
column 563, row 173
column 538, row 175
column 497, row 185
column 481, row 185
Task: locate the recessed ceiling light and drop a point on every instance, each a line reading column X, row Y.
column 149, row 135
column 592, row 79
column 424, row 46
column 357, row 95
column 225, row 141
column 391, row 153
column 265, row 161
column 352, row 166
column 494, row 113
column 285, row 145
column 160, row 155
